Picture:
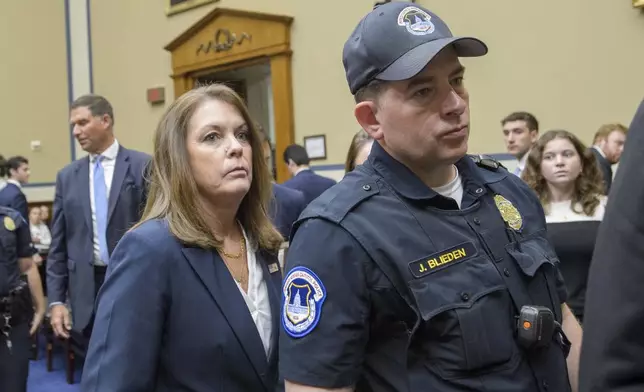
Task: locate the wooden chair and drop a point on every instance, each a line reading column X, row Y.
column 75, row 347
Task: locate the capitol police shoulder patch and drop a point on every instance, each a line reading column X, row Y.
column 303, row 295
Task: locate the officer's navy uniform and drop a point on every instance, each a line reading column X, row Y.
column 15, row 243
column 391, row 287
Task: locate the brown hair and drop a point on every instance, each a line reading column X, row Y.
column 529, row 120
column 589, row 184
column 370, row 92
column 96, row 104
column 173, row 191
column 360, row 139
column 607, row 129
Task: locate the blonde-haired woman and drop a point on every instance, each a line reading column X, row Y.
column 191, row 301
column 565, row 176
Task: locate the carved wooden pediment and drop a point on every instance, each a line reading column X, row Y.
column 228, row 35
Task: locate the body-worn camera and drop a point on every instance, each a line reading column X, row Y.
column 536, row 327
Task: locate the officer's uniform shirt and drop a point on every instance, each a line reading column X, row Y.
column 15, row 243
column 572, row 233
column 389, row 286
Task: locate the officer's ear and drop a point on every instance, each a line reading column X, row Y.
column 365, row 113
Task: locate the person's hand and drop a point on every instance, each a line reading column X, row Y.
column 61, row 321
column 35, row 240
column 39, row 315
column 37, row 259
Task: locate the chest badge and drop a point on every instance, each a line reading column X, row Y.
column 9, row 224
column 509, row 212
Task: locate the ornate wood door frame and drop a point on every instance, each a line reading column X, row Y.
column 227, row 39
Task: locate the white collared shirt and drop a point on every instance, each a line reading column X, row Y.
column 600, row 151
column 108, row 163
column 41, row 231
column 521, row 164
column 257, row 299
column 14, row 182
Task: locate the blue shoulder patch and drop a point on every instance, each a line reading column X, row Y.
column 303, row 295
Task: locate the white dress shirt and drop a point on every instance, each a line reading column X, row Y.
column 42, row 233
column 16, row 183
column 256, row 298
column 108, row 163
column 521, row 164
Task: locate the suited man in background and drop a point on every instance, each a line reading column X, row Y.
column 11, row 194
column 607, row 147
column 287, row 203
column 520, row 133
column 304, row 179
column 612, row 355
column 98, row 198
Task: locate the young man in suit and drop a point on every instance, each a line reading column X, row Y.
column 607, row 147
column 304, row 179
column 11, row 194
column 520, row 132
column 98, row 198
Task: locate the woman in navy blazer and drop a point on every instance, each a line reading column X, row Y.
column 191, row 300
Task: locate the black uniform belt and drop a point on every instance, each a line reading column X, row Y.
column 17, row 304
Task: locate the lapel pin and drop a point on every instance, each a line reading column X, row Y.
column 272, row 268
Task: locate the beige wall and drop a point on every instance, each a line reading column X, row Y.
column 575, row 68
column 33, row 76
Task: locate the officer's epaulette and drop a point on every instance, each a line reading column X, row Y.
column 487, row 162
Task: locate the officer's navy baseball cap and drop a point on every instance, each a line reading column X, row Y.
column 396, row 40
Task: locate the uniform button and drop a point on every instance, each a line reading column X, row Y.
column 479, row 190
column 476, row 221
column 545, row 384
column 465, row 296
column 506, row 272
column 366, row 187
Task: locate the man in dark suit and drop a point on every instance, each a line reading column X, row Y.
column 612, row 357
column 287, row 204
column 11, row 194
column 607, row 147
column 304, row 179
column 98, row 198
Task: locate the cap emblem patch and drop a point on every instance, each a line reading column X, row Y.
column 416, row 21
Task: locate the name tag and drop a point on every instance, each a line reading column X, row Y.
column 443, row 259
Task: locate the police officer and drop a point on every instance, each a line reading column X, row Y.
column 16, row 309
column 424, row 269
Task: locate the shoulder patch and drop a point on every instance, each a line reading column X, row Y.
column 303, row 294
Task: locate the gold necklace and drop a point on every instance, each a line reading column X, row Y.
column 242, row 245
column 242, row 248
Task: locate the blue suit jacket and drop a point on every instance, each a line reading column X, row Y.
column 286, row 207
column 309, row 183
column 12, row 196
column 69, row 263
column 171, row 318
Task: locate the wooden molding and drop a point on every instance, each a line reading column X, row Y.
column 175, row 7
column 226, row 39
